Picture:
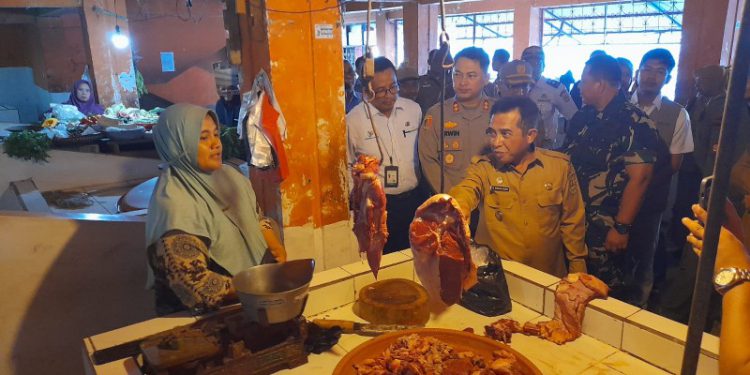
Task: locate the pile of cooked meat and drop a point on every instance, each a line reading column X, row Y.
column 416, row 355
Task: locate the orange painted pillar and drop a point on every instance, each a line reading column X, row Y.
column 299, row 44
column 111, row 69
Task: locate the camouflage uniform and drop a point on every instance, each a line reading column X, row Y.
column 600, row 146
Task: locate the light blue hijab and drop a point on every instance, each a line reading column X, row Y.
column 218, row 206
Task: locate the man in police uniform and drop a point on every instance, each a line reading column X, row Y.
column 466, row 118
column 392, row 138
column 613, row 146
column 530, row 205
column 551, row 97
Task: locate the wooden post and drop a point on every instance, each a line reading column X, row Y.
column 420, row 34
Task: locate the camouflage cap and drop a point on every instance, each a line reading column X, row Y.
column 516, row 72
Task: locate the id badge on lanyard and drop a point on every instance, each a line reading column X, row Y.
column 391, row 176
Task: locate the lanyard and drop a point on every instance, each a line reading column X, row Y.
column 377, row 136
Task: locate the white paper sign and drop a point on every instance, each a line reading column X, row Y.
column 323, row 31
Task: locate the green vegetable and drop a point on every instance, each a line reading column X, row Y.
column 27, row 145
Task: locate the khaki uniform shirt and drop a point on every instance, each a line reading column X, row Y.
column 536, row 218
column 464, row 135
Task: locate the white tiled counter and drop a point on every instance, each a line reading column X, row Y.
column 618, row 338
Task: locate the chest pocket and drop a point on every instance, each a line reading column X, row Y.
column 549, row 207
column 500, row 200
column 550, row 198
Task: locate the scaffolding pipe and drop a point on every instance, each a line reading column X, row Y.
column 735, row 103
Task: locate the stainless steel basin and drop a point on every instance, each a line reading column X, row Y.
column 274, row 293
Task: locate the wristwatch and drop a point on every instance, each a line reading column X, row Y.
column 622, row 228
column 728, row 278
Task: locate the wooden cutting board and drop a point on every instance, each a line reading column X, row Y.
column 393, row 301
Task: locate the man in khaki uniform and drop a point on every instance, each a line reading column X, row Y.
column 530, row 206
column 466, row 118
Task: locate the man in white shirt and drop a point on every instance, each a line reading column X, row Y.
column 673, row 123
column 552, row 99
column 391, row 137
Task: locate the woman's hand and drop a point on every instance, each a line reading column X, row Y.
column 272, row 240
column 731, row 252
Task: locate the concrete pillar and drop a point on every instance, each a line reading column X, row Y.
column 111, row 69
column 527, row 29
column 386, row 36
column 703, row 40
column 299, row 44
column 421, row 32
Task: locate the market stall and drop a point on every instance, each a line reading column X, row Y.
column 65, row 127
column 617, row 338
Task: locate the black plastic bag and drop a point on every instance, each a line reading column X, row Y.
column 489, row 297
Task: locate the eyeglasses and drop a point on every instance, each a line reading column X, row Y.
column 393, row 90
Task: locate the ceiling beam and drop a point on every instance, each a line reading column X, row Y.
column 41, row 3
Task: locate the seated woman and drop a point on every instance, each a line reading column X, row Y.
column 82, row 98
column 203, row 225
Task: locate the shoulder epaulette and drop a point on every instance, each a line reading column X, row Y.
column 553, row 154
column 552, row 83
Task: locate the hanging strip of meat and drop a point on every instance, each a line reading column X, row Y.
column 367, row 201
column 439, row 237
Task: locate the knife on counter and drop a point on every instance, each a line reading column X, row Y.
column 365, row 329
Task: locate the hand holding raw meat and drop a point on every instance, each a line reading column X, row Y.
column 572, row 296
column 439, row 237
column 367, row 200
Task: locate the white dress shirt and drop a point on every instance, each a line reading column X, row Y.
column 397, row 137
column 553, row 100
column 682, row 139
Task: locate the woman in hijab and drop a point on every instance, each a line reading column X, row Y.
column 203, row 225
column 82, row 98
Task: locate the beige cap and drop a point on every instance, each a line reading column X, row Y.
column 516, row 72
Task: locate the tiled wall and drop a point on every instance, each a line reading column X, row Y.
column 652, row 338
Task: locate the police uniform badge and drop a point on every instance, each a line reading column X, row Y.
column 449, row 159
column 428, row 122
column 486, row 105
column 456, row 108
column 456, row 145
column 450, row 124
